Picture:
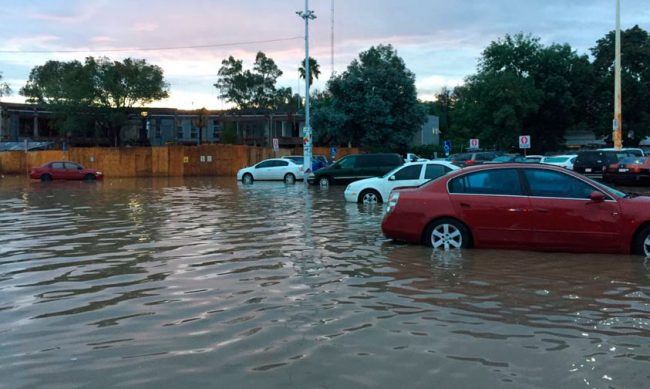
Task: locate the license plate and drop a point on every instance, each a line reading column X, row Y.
column 623, row 170
column 588, row 170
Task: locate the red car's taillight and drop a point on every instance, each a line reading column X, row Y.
column 470, row 162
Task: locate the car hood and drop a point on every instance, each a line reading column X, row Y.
column 365, row 182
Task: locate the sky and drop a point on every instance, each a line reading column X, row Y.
column 440, row 41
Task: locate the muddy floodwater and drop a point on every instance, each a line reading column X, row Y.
column 208, row 283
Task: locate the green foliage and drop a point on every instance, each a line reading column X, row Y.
column 95, row 92
column 252, row 89
column 373, row 104
column 523, row 87
column 4, row 88
column 635, row 80
column 443, row 107
column 314, row 70
column 229, row 134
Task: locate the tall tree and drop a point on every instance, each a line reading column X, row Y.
column 98, row 89
column 635, row 80
column 377, row 97
column 4, row 88
column 250, row 90
column 314, row 70
column 523, row 87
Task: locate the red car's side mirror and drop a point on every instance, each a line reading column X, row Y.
column 597, row 197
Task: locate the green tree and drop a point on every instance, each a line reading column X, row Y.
column 4, row 88
column 97, row 91
column 443, row 107
column 635, row 80
column 251, row 90
column 377, row 98
column 523, row 87
column 314, row 70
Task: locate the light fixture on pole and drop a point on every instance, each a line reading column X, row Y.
column 306, row 135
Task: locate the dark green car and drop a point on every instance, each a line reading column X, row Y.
column 355, row 167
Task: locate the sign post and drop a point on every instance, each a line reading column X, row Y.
column 524, row 142
column 276, row 144
column 446, row 146
column 474, row 144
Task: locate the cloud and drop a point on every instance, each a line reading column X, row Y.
column 144, row 27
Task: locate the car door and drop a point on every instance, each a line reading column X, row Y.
column 278, row 171
column 565, row 218
column 494, row 206
column 73, row 171
column 262, row 170
column 345, row 170
column 58, row 171
column 410, row 175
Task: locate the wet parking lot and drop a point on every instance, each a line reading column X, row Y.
column 205, row 282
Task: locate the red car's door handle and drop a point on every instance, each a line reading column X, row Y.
column 543, row 210
column 464, row 205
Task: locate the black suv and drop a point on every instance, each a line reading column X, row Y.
column 593, row 163
column 355, row 167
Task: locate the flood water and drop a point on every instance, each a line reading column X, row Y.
column 205, row 282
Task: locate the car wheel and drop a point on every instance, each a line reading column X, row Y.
column 46, row 177
column 641, row 244
column 369, row 196
column 447, row 234
column 89, row 177
column 324, row 181
column 289, row 178
column 247, row 178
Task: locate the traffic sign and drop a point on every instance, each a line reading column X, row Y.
column 473, row 143
column 332, row 152
column 524, row 141
column 276, row 144
column 446, row 146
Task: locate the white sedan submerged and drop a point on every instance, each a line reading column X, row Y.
column 377, row 189
column 279, row 169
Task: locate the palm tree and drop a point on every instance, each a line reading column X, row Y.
column 314, row 70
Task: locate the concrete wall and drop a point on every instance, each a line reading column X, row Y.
column 166, row 161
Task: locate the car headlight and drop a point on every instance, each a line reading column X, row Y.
column 312, row 175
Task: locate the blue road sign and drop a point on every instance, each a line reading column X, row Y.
column 332, row 152
column 446, row 146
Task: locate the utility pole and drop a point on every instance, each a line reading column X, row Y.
column 332, row 41
column 617, row 124
column 306, row 136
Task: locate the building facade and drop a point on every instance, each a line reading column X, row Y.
column 157, row 127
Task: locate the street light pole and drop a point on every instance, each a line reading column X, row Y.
column 618, row 120
column 307, row 141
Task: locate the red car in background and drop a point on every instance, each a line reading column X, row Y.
column 522, row 206
column 630, row 170
column 64, row 170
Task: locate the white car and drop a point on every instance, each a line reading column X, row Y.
column 272, row 169
column 565, row 161
column 377, row 189
column 410, row 157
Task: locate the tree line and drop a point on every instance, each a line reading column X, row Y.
column 521, row 87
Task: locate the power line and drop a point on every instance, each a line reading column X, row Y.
column 150, row 48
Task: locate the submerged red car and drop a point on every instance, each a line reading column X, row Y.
column 64, row 170
column 522, row 206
